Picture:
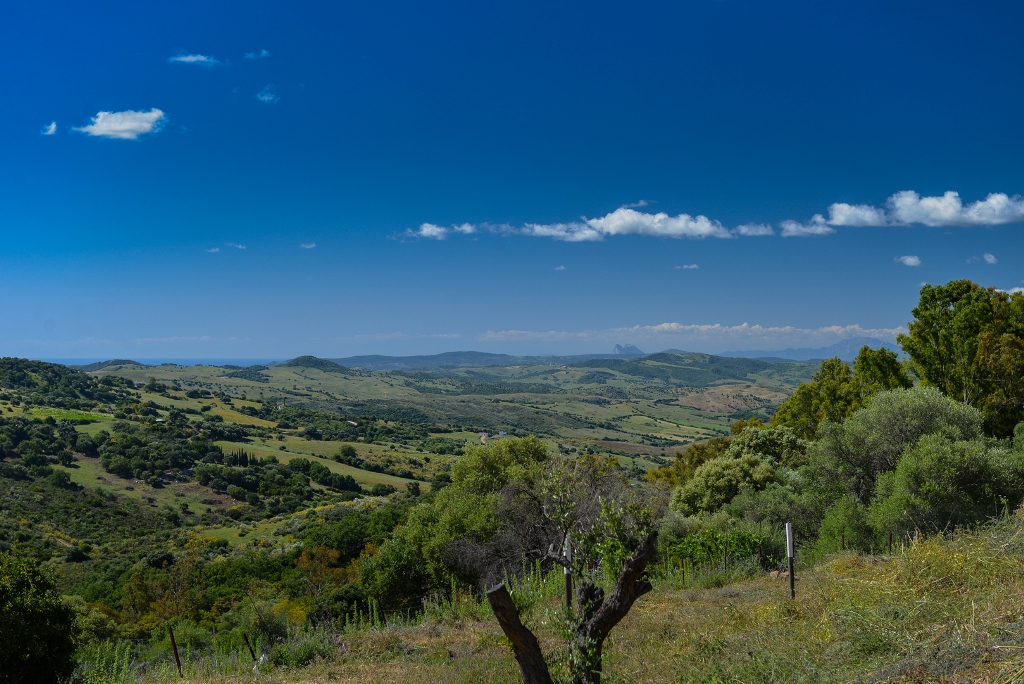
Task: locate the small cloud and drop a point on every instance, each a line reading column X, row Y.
column 635, row 205
column 559, row 268
column 254, row 55
column 858, row 215
column 128, row 125
column 909, row 260
column 199, row 60
column 1012, row 290
column 686, row 267
column 236, row 246
column 212, row 250
column 432, row 231
column 754, row 229
column 816, row 226
column 307, row 245
column 267, row 95
column 49, row 130
column 989, row 258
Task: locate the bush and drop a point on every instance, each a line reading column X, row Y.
column 716, row 482
column 943, row 483
column 871, row 441
column 38, row 632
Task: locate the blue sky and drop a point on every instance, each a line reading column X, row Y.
column 267, row 179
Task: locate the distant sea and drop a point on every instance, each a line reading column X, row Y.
column 178, row 362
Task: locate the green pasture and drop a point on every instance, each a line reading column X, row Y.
column 89, row 473
column 69, row 414
column 363, row 477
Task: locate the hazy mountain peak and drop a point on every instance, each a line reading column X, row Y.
column 626, row 350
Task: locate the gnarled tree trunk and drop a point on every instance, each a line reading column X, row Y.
column 524, row 643
column 597, row 617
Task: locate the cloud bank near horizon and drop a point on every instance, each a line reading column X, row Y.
column 904, row 208
column 704, row 337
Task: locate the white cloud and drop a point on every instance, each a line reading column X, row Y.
column 430, row 231
column 626, row 221
column 1013, row 290
column 842, row 214
column 50, row 129
column 235, row 245
column 902, row 208
column 688, row 266
column 909, row 260
column 212, row 250
column 200, row 60
column 989, row 258
column 435, row 232
column 307, row 245
column 127, row 125
column 559, row 268
column 907, row 207
column 754, row 229
column 254, row 55
column 996, row 209
column 816, row 226
column 267, row 95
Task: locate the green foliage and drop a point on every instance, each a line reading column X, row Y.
column 52, row 384
column 846, row 523
column 944, row 336
column 285, row 486
column 836, row 392
column 38, row 633
column 871, row 442
column 719, row 480
column 687, row 462
column 413, row 560
column 348, row 531
column 144, row 449
column 708, row 547
column 968, row 341
column 750, row 463
column 942, row 483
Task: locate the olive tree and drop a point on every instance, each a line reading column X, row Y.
column 586, row 518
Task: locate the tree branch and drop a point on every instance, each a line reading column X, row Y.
column 524, row 643
column 630, row 586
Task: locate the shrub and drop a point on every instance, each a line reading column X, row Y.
column 942, row 483
column 38, row 633
column 719, row 480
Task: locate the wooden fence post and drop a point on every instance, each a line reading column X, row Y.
column 174, row 646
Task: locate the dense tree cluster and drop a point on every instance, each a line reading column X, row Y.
column 52, row 384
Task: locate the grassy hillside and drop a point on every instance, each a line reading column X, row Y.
column 937, row 610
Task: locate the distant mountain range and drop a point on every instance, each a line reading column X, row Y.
column 846, row 350
column 474, row 358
